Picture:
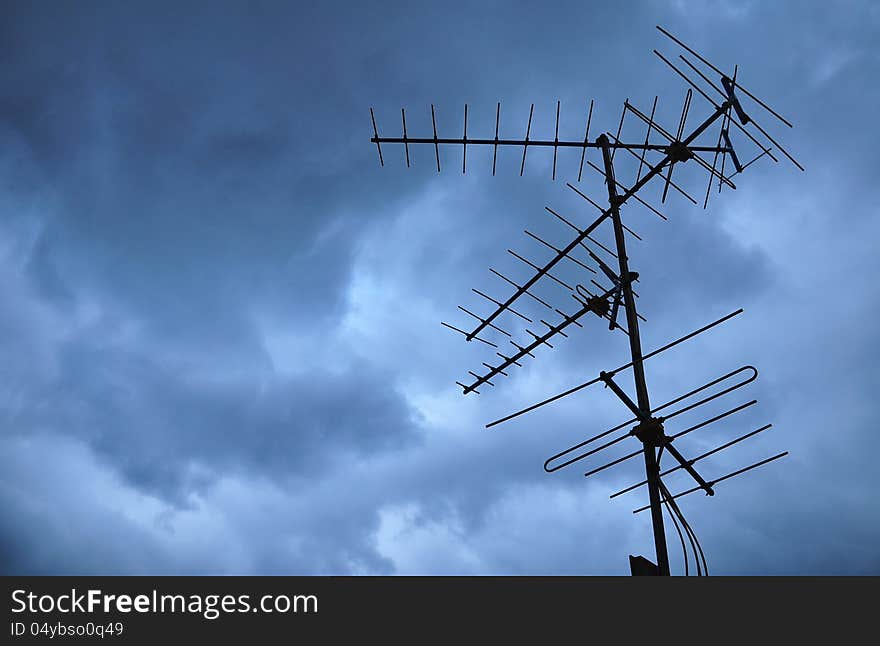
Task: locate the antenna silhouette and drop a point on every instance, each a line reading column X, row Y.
column 609, row 292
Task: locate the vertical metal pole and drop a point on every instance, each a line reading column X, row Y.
column 652, row 471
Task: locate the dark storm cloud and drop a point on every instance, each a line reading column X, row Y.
column 176, row 208
column 221, row 321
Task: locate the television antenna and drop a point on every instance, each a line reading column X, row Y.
column 657, row 154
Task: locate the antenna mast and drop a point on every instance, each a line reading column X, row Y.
column 648, row 424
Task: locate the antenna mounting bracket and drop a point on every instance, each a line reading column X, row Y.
column 679, row 152
column 650, row 432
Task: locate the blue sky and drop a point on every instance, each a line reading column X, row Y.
column 220, row 323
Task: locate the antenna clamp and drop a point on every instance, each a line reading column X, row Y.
column 650, row 432
column 679, row 152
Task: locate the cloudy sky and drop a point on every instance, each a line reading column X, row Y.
column 220, row 316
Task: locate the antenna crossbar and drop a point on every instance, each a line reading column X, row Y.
column 547, row 143
column 625, row 366
column 723, row 478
